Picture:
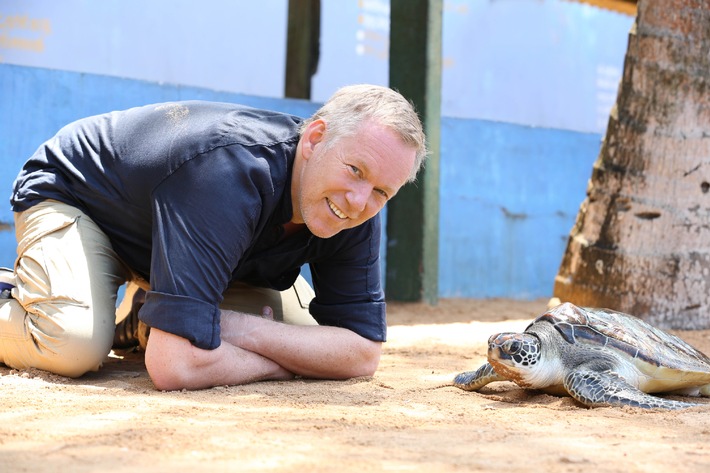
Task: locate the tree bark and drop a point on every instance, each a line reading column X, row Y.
column 641, row 242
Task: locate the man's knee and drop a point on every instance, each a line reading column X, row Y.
column 290, row 306
column 63, row 346
column 76, row 355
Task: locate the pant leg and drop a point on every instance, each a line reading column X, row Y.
column 62, row 315
column 290, row 306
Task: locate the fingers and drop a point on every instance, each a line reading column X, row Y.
column 267, row 312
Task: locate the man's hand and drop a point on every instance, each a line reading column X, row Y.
column 241, row 328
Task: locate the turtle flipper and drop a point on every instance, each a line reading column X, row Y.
column 604, row 388
column 475, row 380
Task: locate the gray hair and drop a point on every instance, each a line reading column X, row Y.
column 351, row 106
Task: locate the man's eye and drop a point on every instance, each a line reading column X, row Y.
column 382, row 193
column 355, row 170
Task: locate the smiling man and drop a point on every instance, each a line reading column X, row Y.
column 208, row 211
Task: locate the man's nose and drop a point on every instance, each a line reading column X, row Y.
column 358, row 198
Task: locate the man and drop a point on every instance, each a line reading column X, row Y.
column 211, row 209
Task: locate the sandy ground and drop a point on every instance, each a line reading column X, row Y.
column 405, row 418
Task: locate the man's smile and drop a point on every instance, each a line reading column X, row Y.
column 339, row 213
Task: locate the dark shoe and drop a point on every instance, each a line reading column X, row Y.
column 132, row 332
column 7, row 283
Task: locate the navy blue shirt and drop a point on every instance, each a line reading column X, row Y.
column 193, row 196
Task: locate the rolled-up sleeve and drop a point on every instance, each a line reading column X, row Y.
column 367, row 319
column 348, row 283
column 187, row 317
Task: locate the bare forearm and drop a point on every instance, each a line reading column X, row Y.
column 310, row 351
column 174, row 363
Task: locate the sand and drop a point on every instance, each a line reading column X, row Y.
column 405, row 418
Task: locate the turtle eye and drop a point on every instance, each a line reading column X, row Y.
column 512, row 347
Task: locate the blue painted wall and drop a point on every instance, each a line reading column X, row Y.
column 509, row 193
column 509, row 197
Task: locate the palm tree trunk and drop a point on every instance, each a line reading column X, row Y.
column 641, row 242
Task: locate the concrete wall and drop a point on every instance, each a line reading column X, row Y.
column 509, row 193
column 509, row 197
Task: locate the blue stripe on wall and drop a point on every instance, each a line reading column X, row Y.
column 509, row 193
column 509, row 197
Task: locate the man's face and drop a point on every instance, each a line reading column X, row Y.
column 348, row 183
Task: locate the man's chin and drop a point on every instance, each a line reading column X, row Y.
column 326, row 234
column 321, row 232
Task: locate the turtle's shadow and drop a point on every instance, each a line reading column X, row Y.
column 511, row 395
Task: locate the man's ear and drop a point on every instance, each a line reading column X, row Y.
column 312, row 135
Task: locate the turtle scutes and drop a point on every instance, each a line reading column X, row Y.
column 599, row 357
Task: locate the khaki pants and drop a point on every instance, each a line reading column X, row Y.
column 63, row 313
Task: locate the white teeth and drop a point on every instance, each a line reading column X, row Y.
column 336, row 210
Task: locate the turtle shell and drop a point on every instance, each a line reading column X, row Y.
column 628, row 336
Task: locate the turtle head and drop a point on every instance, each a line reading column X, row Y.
column 515, row 356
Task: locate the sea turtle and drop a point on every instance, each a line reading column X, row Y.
column 599, row 357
